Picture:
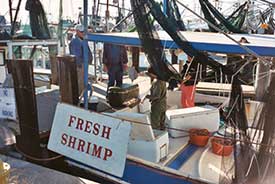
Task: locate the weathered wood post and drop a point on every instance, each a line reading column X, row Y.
column 68, row 79
column 54, row 64
column 22, row 72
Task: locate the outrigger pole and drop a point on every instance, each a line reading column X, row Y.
column 13, row 20
column 85, row 50
column 165, row 6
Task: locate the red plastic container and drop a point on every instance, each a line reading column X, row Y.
column 222, row 146
column 199, row 137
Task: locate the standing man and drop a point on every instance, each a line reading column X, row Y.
column 76, row 48
column 115, row 61
column 157, row 98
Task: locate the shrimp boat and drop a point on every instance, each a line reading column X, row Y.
column 168, row 156
column 119, row 145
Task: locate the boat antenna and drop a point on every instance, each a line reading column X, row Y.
column 60, row 26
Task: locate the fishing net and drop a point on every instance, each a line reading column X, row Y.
column 174, row 13
column 262, row 167
column 231, row 24
column 38, row 20
column 253, row 155
column 151, row 43
column 171, row 27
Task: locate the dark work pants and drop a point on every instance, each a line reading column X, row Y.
column 115, row 77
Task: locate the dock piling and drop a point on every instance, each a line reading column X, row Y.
column 22, row 72
column 68, row 79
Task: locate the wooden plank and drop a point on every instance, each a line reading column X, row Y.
column 221, row 87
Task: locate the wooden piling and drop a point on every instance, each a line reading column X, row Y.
column 28, row 141
column 54, row 65
column 68, row 79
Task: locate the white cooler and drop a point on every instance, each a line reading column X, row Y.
column 145, row 143
column 195, row 117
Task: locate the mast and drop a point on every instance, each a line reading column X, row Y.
column 60, row 27
column 85, row 51
column 123, row 8
column 107, row 14
column 13, row 20
column 165, row 5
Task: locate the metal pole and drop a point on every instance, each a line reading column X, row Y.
column 95, row 62
column 60, row 28
column 123, row 8
column 107, row 15
column 10, row 6
column 15, row 17
column 165, row 4
column 85, row 50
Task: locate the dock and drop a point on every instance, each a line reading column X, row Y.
column 25, row 172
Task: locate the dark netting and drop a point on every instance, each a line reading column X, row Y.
column 232, row 24
column 174, row 13
column 38, row 20
column 151, row 21
column 237, row 18
column 236, row 122
column 263, row 168
column 170, row 26
column 151, row 43
column 254, row 157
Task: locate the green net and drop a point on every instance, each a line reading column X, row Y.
column 38, row 20
column 231, row 24
column 151, row 43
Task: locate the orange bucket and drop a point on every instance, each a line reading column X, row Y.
column 199, row 137
column 222, row 146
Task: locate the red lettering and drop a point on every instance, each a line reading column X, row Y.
column 72, row 142
column 108, row 153
column 64, row 139
column 79, row 124
column 81, row 144
column 97, row 151
column 96, row 129
column 72, row 119
column 88, row 126
column 106, row 132
column 88, row 148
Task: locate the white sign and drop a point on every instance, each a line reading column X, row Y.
column 7, row 103
column 91, row 138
